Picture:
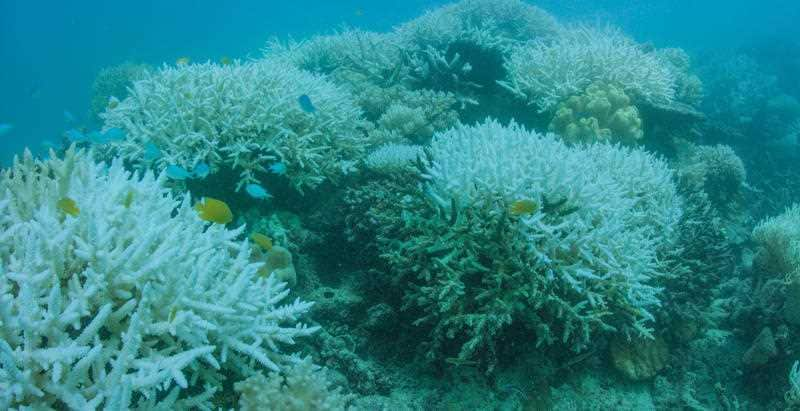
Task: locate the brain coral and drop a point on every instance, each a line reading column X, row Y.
column 243, row 117
column 102, row 309
column 581, row 260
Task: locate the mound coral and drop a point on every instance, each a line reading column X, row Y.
column 547, row 71
column 717, row 171
column 601, row 113
column 101, row 309
column 242, row 117
column 582, row 260
column 302, row 387
column 111, row 85
column 778, row 239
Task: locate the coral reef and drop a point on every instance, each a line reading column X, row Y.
column 601, row 113
column 102, row 309
column 242, row 117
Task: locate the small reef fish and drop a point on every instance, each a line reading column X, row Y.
column 129, row 198
column 113, row 134
column 359, row 13
column 262, row 241
column 68, row 206
column 76, row 136
column 257, row 191
column 151, row 152
column 225, row 61
column 5, row 128
column 306, row 104
column 523, row 207
column 213, row 210
column 278, row 168
column 176, row 172
column 69, row 118
column 113, row 103
column 201, row 170
column 182, row 61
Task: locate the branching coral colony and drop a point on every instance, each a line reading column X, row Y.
column 101, row 308
column 579, row 257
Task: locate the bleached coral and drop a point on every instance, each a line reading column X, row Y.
column 100, row 308
column 489, row 23
column 545, row 72
column 242, row 117
column 583, row 260
column 778, row 239
column 393, row 157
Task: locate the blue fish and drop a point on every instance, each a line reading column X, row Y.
column 278, row 168
column 96, row 137
column 47, row 145
column 176, row 172
column 257, row 192
column 306, row 104
column 114, row 134
column 201, row 170
column 151, row 152
column 69, row 118
column 5, row 128
column 75, row 135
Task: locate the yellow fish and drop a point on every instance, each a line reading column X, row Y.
column 262, row 240
column 113, row 103
column 225, row 60
column 523, row 207
column 129, row 199
column 182, row 61
column 216, row 211
column 68, row 206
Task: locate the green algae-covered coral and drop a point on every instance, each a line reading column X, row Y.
column 242, row 117
column 601, row 113
column 581, row 261
column 102, row 308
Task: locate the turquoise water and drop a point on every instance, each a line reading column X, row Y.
column 417, row 205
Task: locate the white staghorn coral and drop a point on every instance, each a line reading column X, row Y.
column 100, row 308
column 243, row 117
column 548, row 71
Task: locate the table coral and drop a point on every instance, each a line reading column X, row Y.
column 102, row 309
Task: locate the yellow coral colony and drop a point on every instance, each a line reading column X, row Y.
column 213, row 210
column 601, row 113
